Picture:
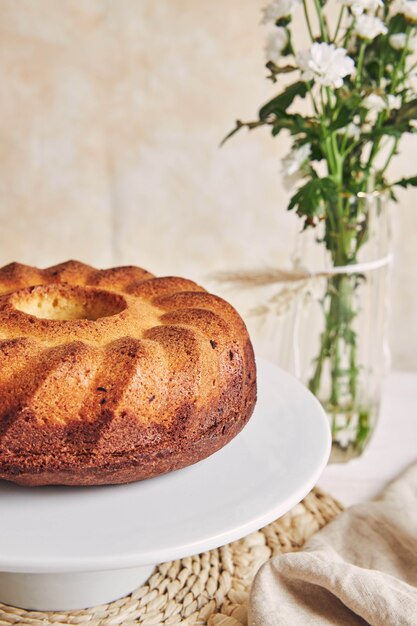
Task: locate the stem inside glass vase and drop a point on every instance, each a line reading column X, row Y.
column 338, row 359
column 338, row 371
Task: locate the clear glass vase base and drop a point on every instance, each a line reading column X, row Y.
column 343, row 455
column 352, row 428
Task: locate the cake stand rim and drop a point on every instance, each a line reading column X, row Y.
column 133, row 560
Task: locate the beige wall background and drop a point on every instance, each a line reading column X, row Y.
column 111, row 113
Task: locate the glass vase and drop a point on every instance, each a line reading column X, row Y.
column 338, row 323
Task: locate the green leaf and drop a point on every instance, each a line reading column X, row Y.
column 392, row 195
column 280, row 103
column 295, row 124
column 391, row 131
column 239, row 125
column 287, row 122
column 397, row 24
column 312, row 199
column 308, row 125
column 316, row 152
column 351, row 100
column 277, row 69
column 373, row 68
column 343, row 118
column 284, row 69
column 405, row 182
column 283, row 21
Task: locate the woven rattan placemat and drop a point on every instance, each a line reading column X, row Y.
column 210, row 588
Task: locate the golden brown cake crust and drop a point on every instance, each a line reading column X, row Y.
column 112, row 376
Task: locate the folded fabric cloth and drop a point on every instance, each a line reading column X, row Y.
column 360, row 569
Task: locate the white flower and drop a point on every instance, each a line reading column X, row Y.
column 295, row 159
column 393, row 102
column 325, row 64
column 353, row 131
column 398, row 41
column 408, row 8
column 276, row 43
column 374, row 103
column 369, row 27
column 278, row 9
column 359, row 6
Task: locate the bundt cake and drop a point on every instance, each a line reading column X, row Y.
column 112, row 376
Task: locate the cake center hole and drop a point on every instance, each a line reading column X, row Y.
column 68, row 303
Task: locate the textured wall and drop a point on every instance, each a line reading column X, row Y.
column 111, row 113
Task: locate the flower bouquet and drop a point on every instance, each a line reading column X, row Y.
column 357, row 78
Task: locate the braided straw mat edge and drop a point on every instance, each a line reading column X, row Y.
column 207, row 589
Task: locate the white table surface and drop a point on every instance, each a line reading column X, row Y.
column 392, row 448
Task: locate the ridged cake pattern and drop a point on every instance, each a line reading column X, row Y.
column 110, row 376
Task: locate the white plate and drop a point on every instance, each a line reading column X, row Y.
column 269, row 467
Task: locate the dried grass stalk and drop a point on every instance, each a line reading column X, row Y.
column 259, row 278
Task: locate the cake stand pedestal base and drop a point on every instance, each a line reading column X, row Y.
column 69, row 591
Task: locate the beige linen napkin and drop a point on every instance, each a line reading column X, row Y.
column 360, row 569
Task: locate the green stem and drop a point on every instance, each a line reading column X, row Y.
column 381, row 66
column 339, row 22
column 323, row 28
column 335, row 350
column 353, row 373
column 361, row 57
column 390, row 156
column 400, row 66
column 347, row 35
column 310, row 30
column 333, row 157
column 338, row 346
column 313, row 100
column 337, row 354
column 345, row 151
column 376, row 144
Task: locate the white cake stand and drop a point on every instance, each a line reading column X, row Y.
column 63, row 548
